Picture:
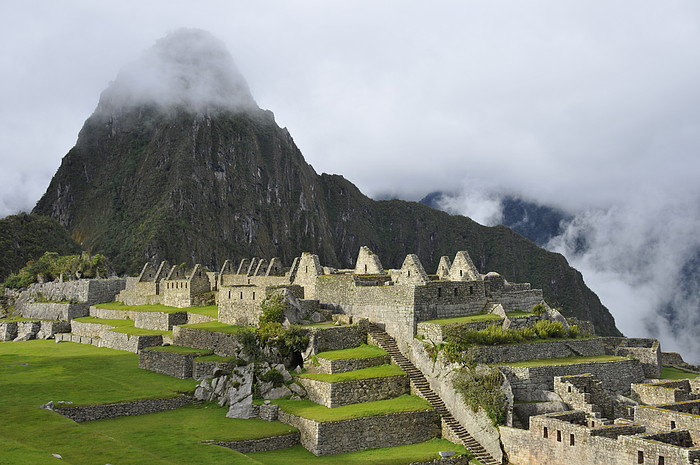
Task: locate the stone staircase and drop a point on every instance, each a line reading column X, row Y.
column 421, row 384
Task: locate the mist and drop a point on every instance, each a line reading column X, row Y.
column 188, row 68
column 641, row 256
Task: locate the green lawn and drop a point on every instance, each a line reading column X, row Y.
column 466, row 319
column 216, row 327
column 565, row 361
column 307, row 409
column 117, row 323
column 365, row 373
column 362, row 351
column 35, row 372
column 390, row 456
column 518, row 314
column 210, row 310
column 677, row 373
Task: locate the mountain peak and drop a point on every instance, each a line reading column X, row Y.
column 188, row 68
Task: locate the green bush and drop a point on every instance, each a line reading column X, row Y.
column 273, row 310
column 483, row 390
column 272, row 376
column 51, row 265
column 550, row 329
column 539, row 309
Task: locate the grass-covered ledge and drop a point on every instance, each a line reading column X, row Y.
column 362, row 351
column 312, row 411
column 381, row 371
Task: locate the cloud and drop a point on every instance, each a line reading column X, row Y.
column 188, row 68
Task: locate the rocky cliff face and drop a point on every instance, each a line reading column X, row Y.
column 154, row 179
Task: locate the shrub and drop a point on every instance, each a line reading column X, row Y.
column 550, row 329
column 272, row 376
column 273, row 310
column 483, row 390
column 539, row 309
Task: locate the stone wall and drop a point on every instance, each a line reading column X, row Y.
column 355, row 391
column 440, row 374
column 128, row 342
column 80, row 328
column 240, row 305
column 139, row 407
column 616, row 376
column 646, row 350
column 664, row 392
column 323, row 365
column 178, row 365
column 26, row 330
column 261, row 445
column 336, row 437
column 204, row 369
column 223, row 344
column 681, row 415
column 322, row 339
column 54, row 311
column 564, row 443
column 449, row 299
column 159, row 321
column 511, row 353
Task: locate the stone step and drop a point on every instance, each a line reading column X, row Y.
column 421, row 384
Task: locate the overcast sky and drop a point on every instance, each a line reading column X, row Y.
column 591, row 105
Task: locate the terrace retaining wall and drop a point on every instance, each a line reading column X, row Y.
column 123, row 409
column 354, row 391
column 263, row 444
column 336, row 437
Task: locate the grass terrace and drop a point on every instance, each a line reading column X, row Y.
column 566, row 361
column 466, row 319
column 381, row 371
column 216, row 327
column 123, row 326
column 518, row 314
column 210, row 310
column 307, row 409
column 400, row 455
column 362, row 351
column 677, row 373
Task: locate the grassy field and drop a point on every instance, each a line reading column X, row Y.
column 566, row 361
column 210, row 310
column 677, row 373
column 215, row 327
column 362, row 351
column 466, row 319
column 124, row 326
column 35, row 372
column 307, row 409
column 365, row 373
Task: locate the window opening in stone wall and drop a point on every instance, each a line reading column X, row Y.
column 241, row 295
column 365, row 269
column 471, row 290
column 229, row 294
column 545, row 432
column 673, row 424
column 569, row 389
column 558, row 436
column 455, row 292
column 661, row 460
column 460, row 272
column 306, row 269
column 439, row 292
column 409, row 273
column 253, row 295
column 571, row 439
column 640, row 456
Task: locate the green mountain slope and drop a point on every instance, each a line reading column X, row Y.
column 25, row 237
